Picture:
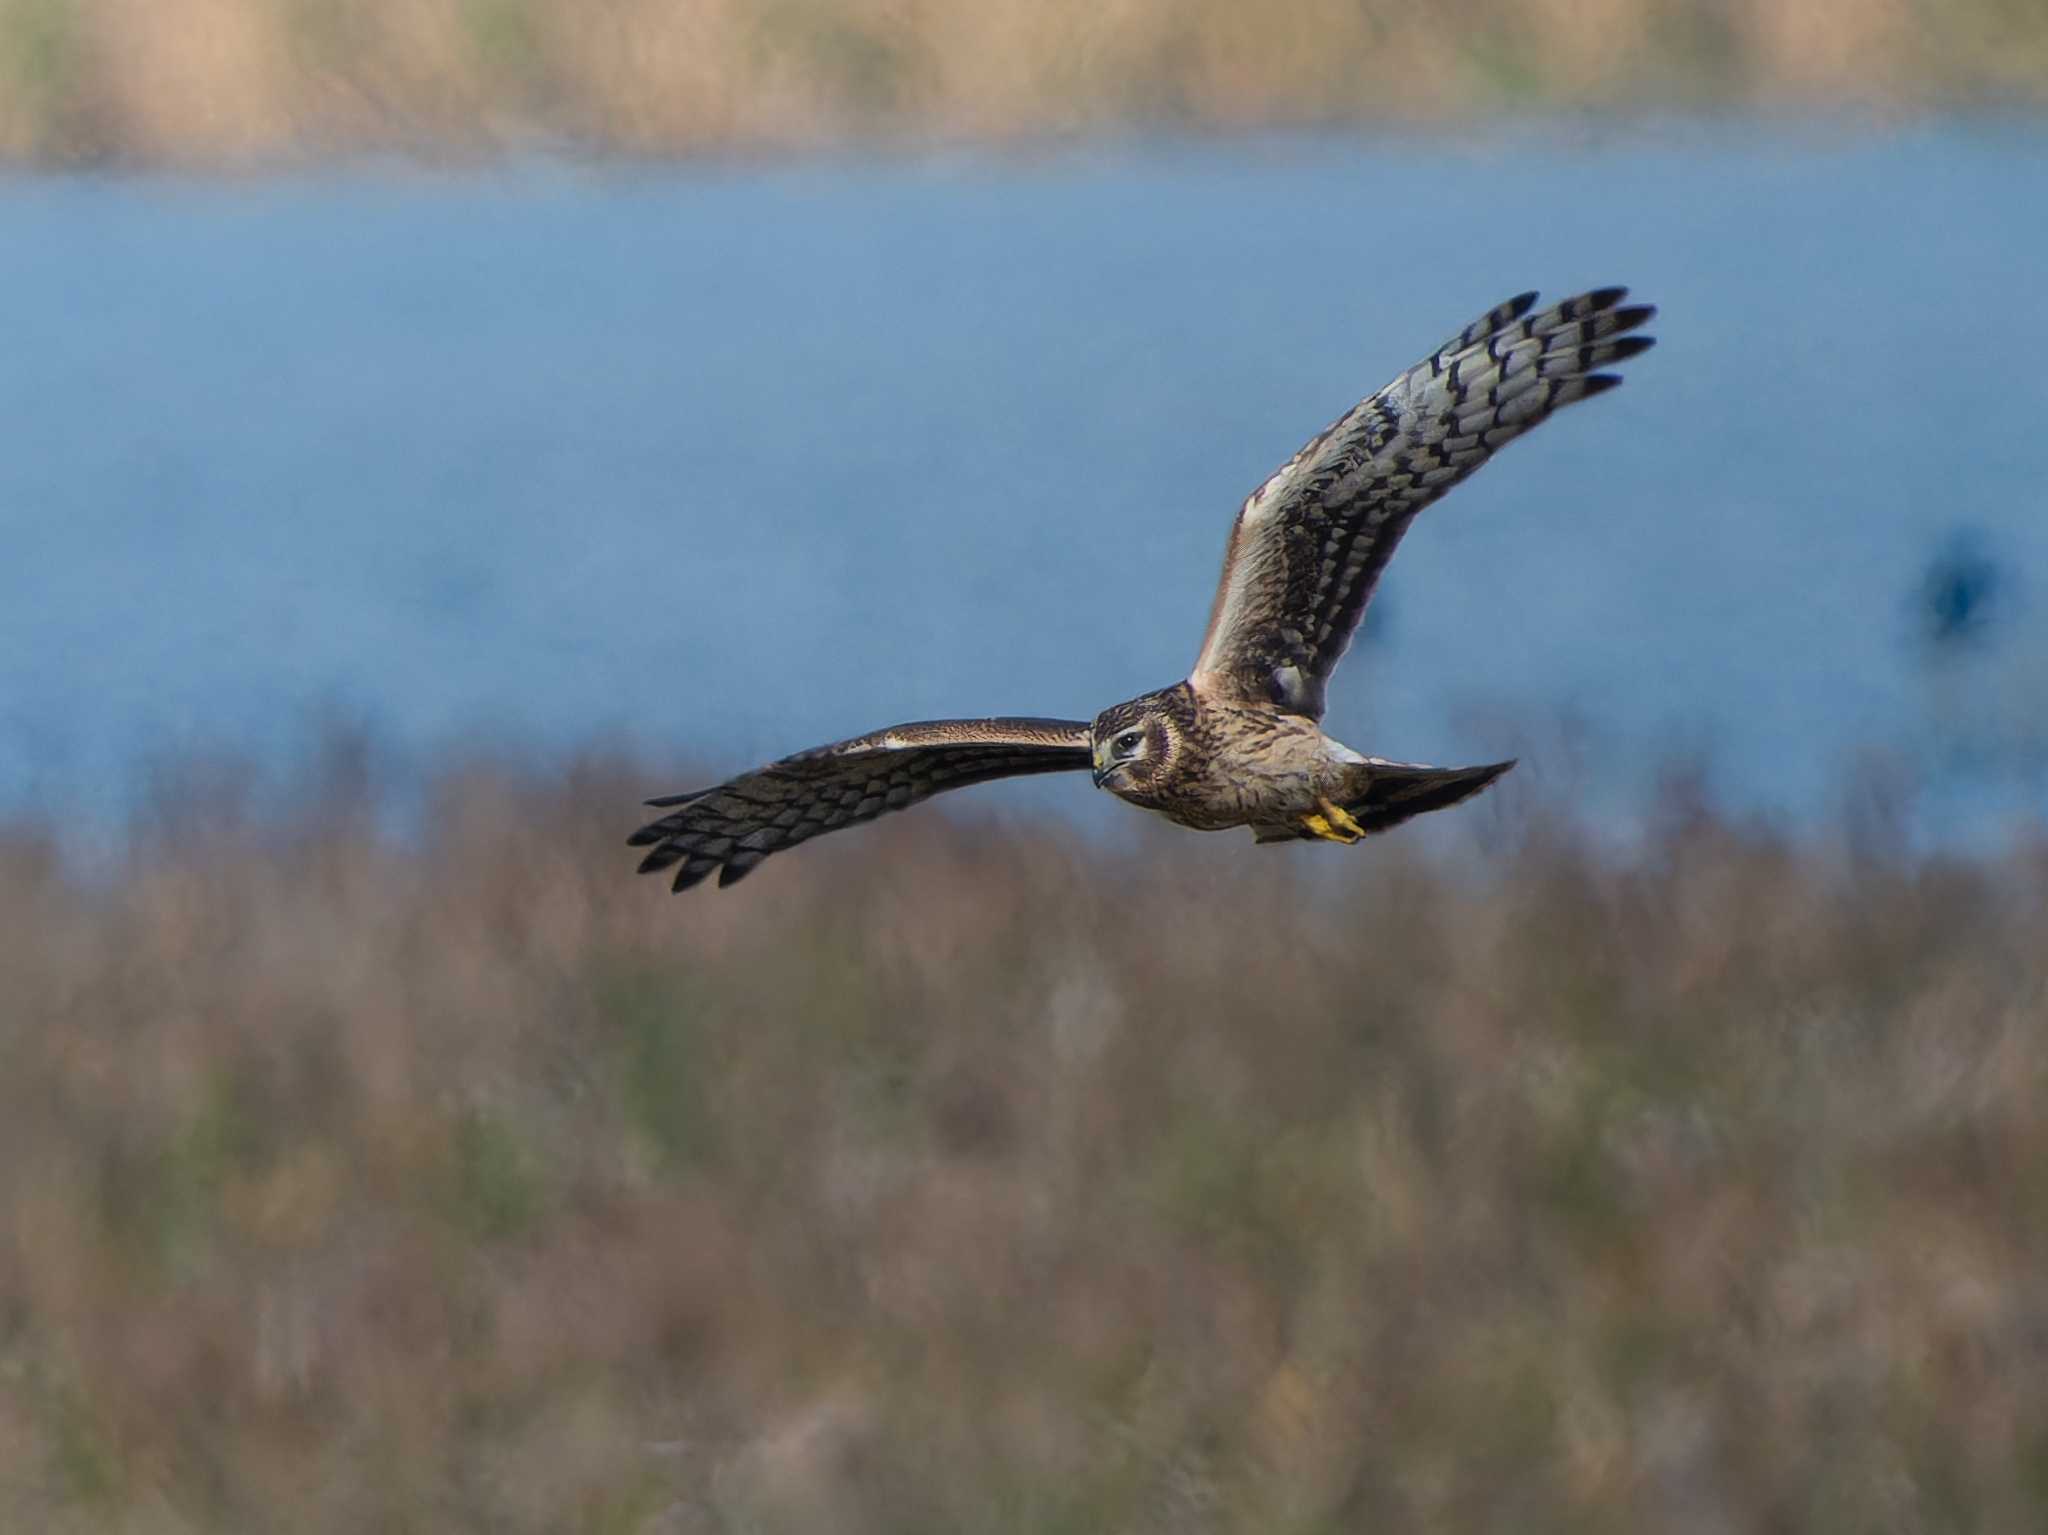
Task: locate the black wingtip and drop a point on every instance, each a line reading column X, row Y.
column 1634, row 315
column 691, row 873
column 1598, row 383
column 1605, row 298
column 1520, row 304
column 659, row 859
column 1631, row 346
column 739, row 866
column 670, row 801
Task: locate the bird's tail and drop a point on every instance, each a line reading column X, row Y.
column 1384, row 794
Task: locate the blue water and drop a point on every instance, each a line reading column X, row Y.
column 717, row 463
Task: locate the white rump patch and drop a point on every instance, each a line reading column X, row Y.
column 1291, row 686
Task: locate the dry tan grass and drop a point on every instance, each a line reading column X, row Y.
column 239, row 82
column 951, row 1177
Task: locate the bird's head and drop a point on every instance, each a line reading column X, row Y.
column 1136, row 745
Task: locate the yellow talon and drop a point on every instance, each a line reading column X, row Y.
column 1334, row 824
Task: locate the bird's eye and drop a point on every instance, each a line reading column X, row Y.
column 1128, row 742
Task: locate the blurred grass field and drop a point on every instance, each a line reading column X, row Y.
column 241, row 82
column 960, row 1175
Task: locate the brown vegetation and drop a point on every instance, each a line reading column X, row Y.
column 258, row 81
column 949, row 1177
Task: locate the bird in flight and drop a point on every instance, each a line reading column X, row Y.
column 1239, row 741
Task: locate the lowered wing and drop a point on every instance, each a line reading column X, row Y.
column 732, row 827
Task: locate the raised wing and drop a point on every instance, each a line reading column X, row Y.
column 1309, row 544
column 732, row 827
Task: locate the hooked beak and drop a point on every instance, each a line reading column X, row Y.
column 1103, row 766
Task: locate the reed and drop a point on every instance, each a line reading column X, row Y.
column 253, row 82
column 966, row 1175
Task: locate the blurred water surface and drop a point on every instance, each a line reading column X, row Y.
column 719, row 463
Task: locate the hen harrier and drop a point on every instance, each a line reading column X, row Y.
column 1237, row 743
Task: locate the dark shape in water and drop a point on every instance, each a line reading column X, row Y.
column 1960, row 594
